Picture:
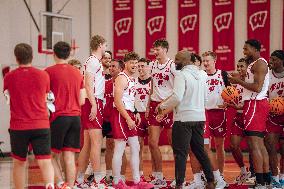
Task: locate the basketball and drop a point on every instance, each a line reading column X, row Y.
column 230, row 95
column 277, row 105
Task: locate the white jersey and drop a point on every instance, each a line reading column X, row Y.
column 215, row 85
column 128, row 97
column 163, row 79
column 142, row 88
column 250, row 95
column 276, row 85
column 93, row 66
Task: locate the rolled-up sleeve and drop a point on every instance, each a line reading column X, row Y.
column 178, row 92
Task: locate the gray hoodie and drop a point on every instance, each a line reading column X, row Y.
column 189, row 95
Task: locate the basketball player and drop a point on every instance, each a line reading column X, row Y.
column 216, row 81
column 115, row 67
column 274, row 124
column 255, row 108
column 163, row 69
column 106, row 60
column 92, row 113
column 65, row 121
column 124, row 123
column 143, row 87
column 237, row 127
column 29, row 124
column 188, row 100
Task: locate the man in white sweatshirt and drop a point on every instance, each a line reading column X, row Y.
column 188, row 103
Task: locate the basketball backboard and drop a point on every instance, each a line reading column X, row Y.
column 53, row 28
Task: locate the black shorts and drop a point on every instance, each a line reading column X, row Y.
column 107, row 129
column 65, row 134
column 38, row 138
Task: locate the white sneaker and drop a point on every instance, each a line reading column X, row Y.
column 220, row 184
column 196, row 185
column 242, row 178
column 159, row 183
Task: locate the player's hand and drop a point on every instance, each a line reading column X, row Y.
column 234, row 78
column 158, row 109
column 131, row 124
column 138, row 118
column 160, row 117
column 93, row 113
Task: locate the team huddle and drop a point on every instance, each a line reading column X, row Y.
column 69, row 107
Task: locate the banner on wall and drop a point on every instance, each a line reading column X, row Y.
column 155, row 24
column 122, row 27
column 188, row 25
column 258, row 24
column 223, row 33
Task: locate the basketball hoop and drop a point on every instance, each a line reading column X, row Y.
column 54, row 28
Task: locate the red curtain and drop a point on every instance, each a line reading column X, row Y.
column 258, row 24
column 122, row 27
column 188, row 25
column 223, row 33
column 155, row 23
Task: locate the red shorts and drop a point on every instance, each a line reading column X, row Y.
column 217, row 122
column 275, row 124
column 107, row 112
column 120, row 129
column 98, row 121
column 142, row 128
column 166, row 123
column 238, row 125
column 255, row 115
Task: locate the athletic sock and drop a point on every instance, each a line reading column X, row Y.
column 267, row 178
column 98, row 176
column 217, row 175
column 154, row 174
column 80, row 177
column 259, row 178
column 243, row 170
column 108, row 173
column 159, row 175
column 133, row 143
column 197, row 177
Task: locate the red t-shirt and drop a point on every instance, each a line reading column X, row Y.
column 27, row 87
column 65, row 83
column 109, row 99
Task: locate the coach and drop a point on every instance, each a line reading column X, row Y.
column 188, row 103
